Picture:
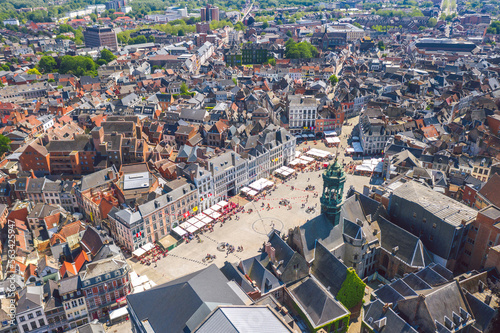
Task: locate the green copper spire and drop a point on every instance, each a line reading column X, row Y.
column 333, row 189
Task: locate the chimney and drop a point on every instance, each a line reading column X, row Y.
column 267, row 247
column 233, row 158
column 386, row 307
column 395, row 249
column 272, row 255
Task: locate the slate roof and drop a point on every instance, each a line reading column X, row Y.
column 316, row 303
column 320, row 228
column 92, row 241
column 483, row 314
column 263, row 278
column 431, row 277
column 415, row 282
column 388, row 294
column 490, row 190
column 374, row 311
column 240, row 319
column 329, row 270
column 411, row 250
column 430, row 308
column 29, row 298
column 232, row 273
column 282, row 250
column 97, row 178
column 182, row 304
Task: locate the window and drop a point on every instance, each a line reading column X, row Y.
column 470, row 241
column 73, row 303
column 30, row 316
column 42, row 322
column 38, row 313
column 25, row 327
column 21, row 319
column 467, row 252
column 33, row 325
column 434, row 225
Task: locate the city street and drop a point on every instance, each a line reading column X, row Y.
column 252, row 229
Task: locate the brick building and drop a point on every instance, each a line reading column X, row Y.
column 483, row 234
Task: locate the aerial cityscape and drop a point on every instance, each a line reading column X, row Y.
column 230, row 166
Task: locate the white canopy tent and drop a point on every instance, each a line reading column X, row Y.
column 199, row 224
column 318, row 153
column 253, row 193
column 261, row 184
column 208, row 211
column 371, row 165
column 215, row 215
column 179, row 231
column 207, row 219
column 192, row 229
column 330, row 133
column 216, row 207
column 148, row 247
column 223, row 203
column 333, row 140
column 185, row 225
column 118, row 313
column 139, row 252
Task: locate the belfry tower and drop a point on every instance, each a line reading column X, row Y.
column 333, row 189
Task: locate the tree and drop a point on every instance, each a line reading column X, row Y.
column 352, row 290
column 107, row 55
column 151, row 39
column 272, row 61
column 432, row 22
column 180, row 32
column 334, row 80
column 184, row 89
column 239, row 26
column 33, row 71
column 47, row 64
column 78, row 65
column 265, row 25
column 302, row 50
column 4, row 144
column 356, row 24
column 289, row 33
column 381, row 45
